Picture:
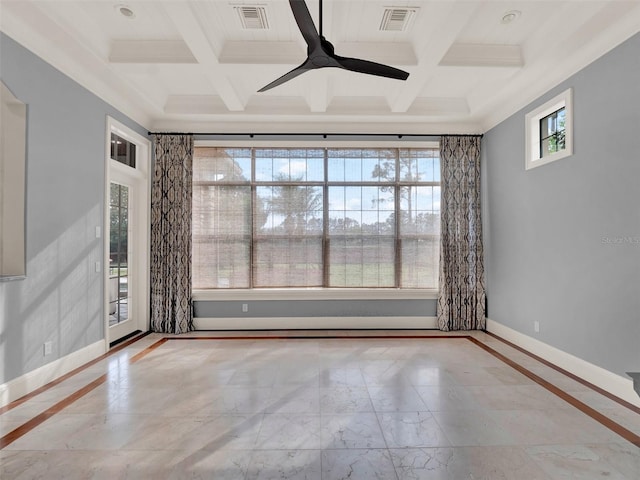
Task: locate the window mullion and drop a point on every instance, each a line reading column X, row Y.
column 325, row 221
column 252, row 233
column 397, row 241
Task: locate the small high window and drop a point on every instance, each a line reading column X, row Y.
column 549, row 131
column 553, row 133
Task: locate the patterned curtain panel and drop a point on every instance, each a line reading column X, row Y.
column 461, row 302
column 171, row 193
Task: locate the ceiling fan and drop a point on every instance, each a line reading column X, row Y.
column 320, row 52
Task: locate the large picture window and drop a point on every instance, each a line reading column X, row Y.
column 316, row 217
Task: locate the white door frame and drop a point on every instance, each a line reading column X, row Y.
column 140, row 205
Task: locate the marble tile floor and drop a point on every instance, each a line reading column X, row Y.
column 356, row 407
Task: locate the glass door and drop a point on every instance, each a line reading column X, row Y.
column 119, row 233
column 126, row 254
column 122, row 270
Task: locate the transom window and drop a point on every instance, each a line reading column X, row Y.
column 316, row 217
column 123, row 151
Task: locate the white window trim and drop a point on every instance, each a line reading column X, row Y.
column 254, row 294
column 139, row 174
column 532, row 125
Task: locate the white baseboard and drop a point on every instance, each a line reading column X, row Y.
column 27, row 383
column 615, row 384
column 312, row 323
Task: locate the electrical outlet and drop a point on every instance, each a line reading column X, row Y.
column 245, row 307
column 98, row 232
column 98, row 267
column 48, row 348
column 536, row 326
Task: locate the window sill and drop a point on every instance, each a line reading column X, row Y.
column 314, row 294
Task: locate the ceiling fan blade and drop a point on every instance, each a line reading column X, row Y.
column 305, row 22
column 287, row 76
column 371, row 68
column 321, row 53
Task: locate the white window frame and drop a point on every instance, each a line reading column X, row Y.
column 532, row 122
column 315, row 293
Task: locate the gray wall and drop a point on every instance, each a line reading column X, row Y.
column 317, row 308
column 61, row 300
column 551, row 232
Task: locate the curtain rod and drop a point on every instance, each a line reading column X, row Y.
column 323, row 135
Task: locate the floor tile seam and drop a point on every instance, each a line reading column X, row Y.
column 384, row 437
column 37, row 420
column 442, row 430
column 424, row 402
column 579, row 405
column 68, row 375
column 255, row 441
column 566, row 373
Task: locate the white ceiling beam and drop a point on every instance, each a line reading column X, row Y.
column 397, row 53
column 317, row 91
column 262, row 53
column 434, row 46
column 264, row 106
column 194, row 104
column 358, row 106
column 193, row 35
column 478, row 55
column 293, row 53
column 288, row 105
column 439, row 107
column 150, row 51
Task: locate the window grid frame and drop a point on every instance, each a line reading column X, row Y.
column 396, row 184
column 555, row 134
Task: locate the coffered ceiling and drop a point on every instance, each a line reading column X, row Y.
column 196, row 65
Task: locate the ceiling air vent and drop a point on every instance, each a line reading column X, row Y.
column 253, row 17
column 396, row 19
